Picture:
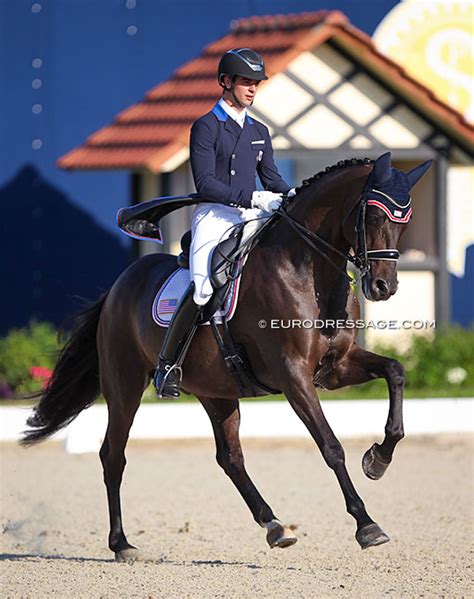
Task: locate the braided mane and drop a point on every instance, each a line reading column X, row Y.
column 330, row 169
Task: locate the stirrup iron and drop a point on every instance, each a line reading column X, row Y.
column 162, row 383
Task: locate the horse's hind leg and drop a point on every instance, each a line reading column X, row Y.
column 359, row 366
column 225, row 419
column 300, row 392
column 122, row 386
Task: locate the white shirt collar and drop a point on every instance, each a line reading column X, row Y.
column 238, row 117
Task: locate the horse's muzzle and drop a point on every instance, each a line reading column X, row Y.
column 377, row 289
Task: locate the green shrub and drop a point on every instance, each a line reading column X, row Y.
column 24, row 353
column 445, row 361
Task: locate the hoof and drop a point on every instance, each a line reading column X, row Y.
column 127, row 556
column 279, row 535
column 372, row 465
column 371, row 535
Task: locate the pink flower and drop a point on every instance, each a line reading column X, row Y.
column 41, row 373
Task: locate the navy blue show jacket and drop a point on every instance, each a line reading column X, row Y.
column 225, row 159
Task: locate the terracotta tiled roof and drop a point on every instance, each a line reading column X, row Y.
column 149, row 133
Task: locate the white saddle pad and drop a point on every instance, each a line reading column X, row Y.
column 172, row 290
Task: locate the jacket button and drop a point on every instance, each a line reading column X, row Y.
column 233, row 156
column 232, row 172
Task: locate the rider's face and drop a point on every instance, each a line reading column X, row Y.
column 244, row 89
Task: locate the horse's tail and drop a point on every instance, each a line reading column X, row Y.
column 74, row 384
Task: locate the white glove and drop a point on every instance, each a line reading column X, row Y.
column 266, row 200
column 291, row 193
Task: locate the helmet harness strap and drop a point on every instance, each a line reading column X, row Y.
column 231, row 91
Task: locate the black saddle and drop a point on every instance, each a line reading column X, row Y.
column 142, row 222
column 224, row 267
column 223, row 257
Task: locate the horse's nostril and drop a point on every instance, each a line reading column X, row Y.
column 381, row 285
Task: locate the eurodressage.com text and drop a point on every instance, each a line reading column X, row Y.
column 307, row 323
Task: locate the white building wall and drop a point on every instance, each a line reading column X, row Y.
column 460, row 198
column 413, row 303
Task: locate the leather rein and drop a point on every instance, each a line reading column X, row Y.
column 362, row 256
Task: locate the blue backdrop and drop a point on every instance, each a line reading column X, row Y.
column 97, row 57
column 67, row 68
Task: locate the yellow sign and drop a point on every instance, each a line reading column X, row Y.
column 434, row 41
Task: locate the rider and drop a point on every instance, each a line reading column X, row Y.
column 227, row 149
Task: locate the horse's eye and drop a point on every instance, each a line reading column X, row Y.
column 372, row 219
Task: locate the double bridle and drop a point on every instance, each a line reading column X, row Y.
column 362, row 256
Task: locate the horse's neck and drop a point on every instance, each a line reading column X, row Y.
column 321, row 207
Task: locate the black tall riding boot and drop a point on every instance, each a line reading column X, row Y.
column 178, row 337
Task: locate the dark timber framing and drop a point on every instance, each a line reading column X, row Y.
column 442, row 284
column 135, row 187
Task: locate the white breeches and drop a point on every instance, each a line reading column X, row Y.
column 212, row 223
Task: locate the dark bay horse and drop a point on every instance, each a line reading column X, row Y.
column 115, row 344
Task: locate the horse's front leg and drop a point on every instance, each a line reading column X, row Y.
column 359, row 366
column 225, row 419
column 301, row 394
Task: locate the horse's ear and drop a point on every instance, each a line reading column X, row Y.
column 383, row 168
column 416, row 173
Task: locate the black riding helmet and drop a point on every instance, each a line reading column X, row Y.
column 241, row 61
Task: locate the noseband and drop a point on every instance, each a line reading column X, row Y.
column 362, row 256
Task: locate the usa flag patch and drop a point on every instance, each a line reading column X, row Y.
column 167, row 306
